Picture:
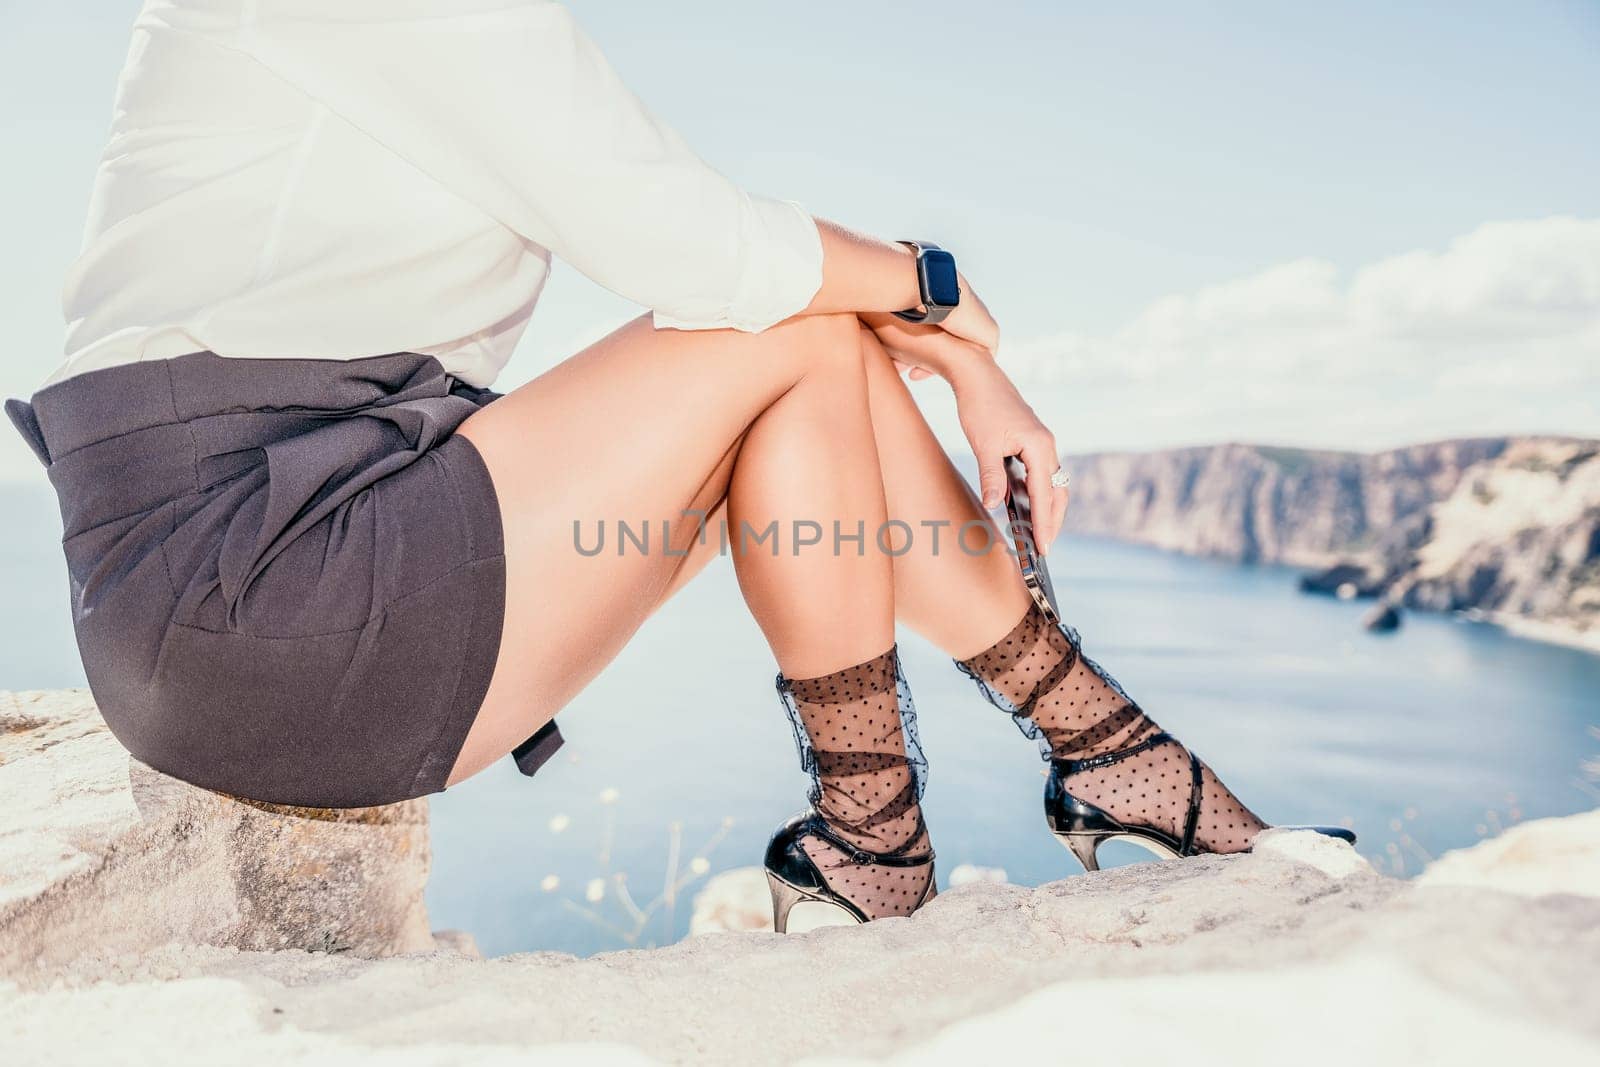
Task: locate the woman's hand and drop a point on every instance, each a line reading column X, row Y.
column 971, row 320
column 996, row 420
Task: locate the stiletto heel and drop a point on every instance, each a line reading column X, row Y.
column 1083, row 826
column 1083, row 847
column 784, row 897
column 792, row 876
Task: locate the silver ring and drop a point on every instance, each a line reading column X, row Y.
column 1059, row 479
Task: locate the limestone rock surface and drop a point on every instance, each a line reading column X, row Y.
column 102, row 857
column 1298, row 953
column 1542, row 858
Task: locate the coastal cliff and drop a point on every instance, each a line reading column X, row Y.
column 1508, row 528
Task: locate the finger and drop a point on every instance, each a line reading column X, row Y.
column 991, row 478
column 1038, row 458
column 910, row 370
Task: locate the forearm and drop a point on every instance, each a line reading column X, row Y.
column 863, row 274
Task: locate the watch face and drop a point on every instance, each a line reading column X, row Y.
column 939, row 268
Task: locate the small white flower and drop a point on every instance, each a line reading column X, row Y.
column 549, row 883
column 559, row 823
column 609, row 795
column 699, row 865
column 595, row 891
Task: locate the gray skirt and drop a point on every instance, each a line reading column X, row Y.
column 287, row 576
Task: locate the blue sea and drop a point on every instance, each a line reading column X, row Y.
column 679, row 760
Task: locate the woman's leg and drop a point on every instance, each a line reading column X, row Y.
column 971, row 606
column 649, row 424
column 946, row 586
column 636, row 430
column 809, row 464
column 961, row 593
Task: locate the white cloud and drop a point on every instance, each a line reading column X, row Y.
column 1498, row 332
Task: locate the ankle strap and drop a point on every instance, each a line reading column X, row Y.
column 1196, row 792
column 1106, row 759
column 1191, row 822
column 819, row 827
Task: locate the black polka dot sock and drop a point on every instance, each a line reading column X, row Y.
column 857, row 736
column 1038, row 674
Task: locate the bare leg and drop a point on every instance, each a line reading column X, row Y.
column 779, row 425
column 813, row 460
column 638, row 428
column 962, row 599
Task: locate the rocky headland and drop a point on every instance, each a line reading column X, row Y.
column 1506, row 528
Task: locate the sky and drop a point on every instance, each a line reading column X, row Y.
column 1346, row 225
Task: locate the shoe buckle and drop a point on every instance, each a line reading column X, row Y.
column 861, row 857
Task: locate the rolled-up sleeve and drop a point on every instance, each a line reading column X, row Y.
column 512, row 107
column 773, row 262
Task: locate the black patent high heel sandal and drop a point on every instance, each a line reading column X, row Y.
column 793, row 877
column 1082, row 826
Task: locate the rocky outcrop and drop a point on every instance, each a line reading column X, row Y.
column 1517, row 538
column 102, row 857
column 1296, row 953
column 1506, row 527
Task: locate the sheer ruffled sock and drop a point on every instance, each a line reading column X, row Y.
column 856, row 733
column 1038, row 674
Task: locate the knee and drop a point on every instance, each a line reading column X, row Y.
column 831, row 345
column 879, row 363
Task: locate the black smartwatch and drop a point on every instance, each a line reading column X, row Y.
column 936, row 278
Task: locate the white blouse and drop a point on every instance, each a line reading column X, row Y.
column 343, row 178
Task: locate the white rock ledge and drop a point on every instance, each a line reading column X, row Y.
column 101, row 856
column 1298, row 953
